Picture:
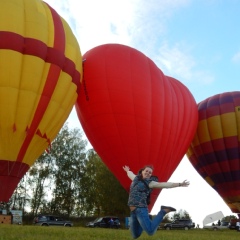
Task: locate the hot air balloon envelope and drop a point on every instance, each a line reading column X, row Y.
column 215, row 149
column 40, row 71
column 132, row 113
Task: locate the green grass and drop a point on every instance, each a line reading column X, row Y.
column 25, row 232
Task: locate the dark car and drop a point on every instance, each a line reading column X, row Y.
column 105, row 222
column 50, row 220
column 232, row 223
column 180, row 224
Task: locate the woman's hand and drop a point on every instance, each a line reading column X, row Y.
column 126, row 168
column 185, row 183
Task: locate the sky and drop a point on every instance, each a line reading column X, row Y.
column 194, row 41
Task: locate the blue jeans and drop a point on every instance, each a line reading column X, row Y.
column 139, row 221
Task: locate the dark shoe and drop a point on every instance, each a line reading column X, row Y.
column 168, row 209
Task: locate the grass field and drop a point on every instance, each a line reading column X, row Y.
column 15, row 232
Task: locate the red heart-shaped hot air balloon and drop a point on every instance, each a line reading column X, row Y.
column 132, row 114
column 215, row 149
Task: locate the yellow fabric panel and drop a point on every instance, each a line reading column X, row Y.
column 54, row 129
column 189, row 152
column 51, row 117
column 232, row 199
column 12, row 15
column 216, row 127
column 30, row 81
column 202, row 132
column 237, row 111
column 209, row 181
column 54, row 115
column 35, row 21
column 25, row 109
column 229, row 127
column 8, row 100
column 26, row 18
column 237, row 204
column 233, row 205
column 10, row 143
column 10, row 60
column 50, row 29
column 62, row 89
column 35, row 149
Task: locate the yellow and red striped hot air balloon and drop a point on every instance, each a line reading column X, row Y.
column 40, row 72
column 215, row 149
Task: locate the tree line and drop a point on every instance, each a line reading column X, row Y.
column 70, row 180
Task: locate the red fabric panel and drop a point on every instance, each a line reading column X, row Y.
column 10, row 175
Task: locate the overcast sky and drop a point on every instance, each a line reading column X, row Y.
column 194, row 41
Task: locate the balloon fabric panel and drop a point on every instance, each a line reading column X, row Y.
column 132, row 113
column 40, row 73
column 214, row 152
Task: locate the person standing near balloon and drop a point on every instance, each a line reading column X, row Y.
column 238, row 226
column 142, row 184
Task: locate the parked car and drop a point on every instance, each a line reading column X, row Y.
column 105, row 222
column 232, row 223
column 180, row 224
column 50, row 220
column 223, row 225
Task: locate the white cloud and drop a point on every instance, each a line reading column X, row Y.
column 236, row 57
column 98, row 22
column 137, row 23
column 178, row 62
column 175, row 61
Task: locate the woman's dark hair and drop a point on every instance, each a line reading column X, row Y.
column 140, row 171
